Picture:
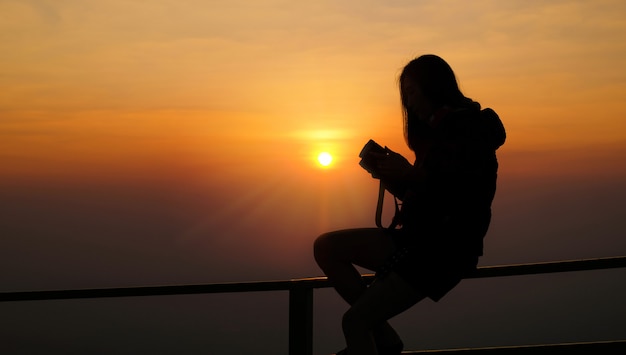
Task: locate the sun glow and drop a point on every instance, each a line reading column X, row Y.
column 324, row 159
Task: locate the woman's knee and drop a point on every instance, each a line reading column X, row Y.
column 323, row 246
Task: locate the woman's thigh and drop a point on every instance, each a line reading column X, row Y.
column 365, row 247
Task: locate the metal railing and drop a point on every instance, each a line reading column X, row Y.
column 301, row 291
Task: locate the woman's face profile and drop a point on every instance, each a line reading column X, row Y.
column 414, row 99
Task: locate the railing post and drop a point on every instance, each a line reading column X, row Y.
column 300, row 320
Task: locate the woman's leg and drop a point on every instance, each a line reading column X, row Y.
column 337, row 252
column 384, row 299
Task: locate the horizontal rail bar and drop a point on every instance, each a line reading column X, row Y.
column 550, row 267
column 508, row 270
column 312, row 282
column 280, row 285
column 595, row 347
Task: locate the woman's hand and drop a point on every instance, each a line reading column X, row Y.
column 391, row 166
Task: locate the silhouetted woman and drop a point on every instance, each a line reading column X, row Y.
column 446, row 209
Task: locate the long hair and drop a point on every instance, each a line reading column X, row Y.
column 438, row 84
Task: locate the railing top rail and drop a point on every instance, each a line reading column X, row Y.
column 550, row 267
column 312, row 282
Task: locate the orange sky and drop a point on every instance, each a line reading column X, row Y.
column 102, row 83
column 240, row 97
column 203, row 96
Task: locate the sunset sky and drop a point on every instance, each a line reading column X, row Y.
column 171, row 142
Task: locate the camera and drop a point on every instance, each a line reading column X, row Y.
column 368, row 159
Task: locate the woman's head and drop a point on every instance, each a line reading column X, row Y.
column 434, row 79
column 427, row 83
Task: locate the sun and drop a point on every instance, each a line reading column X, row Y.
column 324, row 159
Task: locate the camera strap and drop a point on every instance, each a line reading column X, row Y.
column 379, row 209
